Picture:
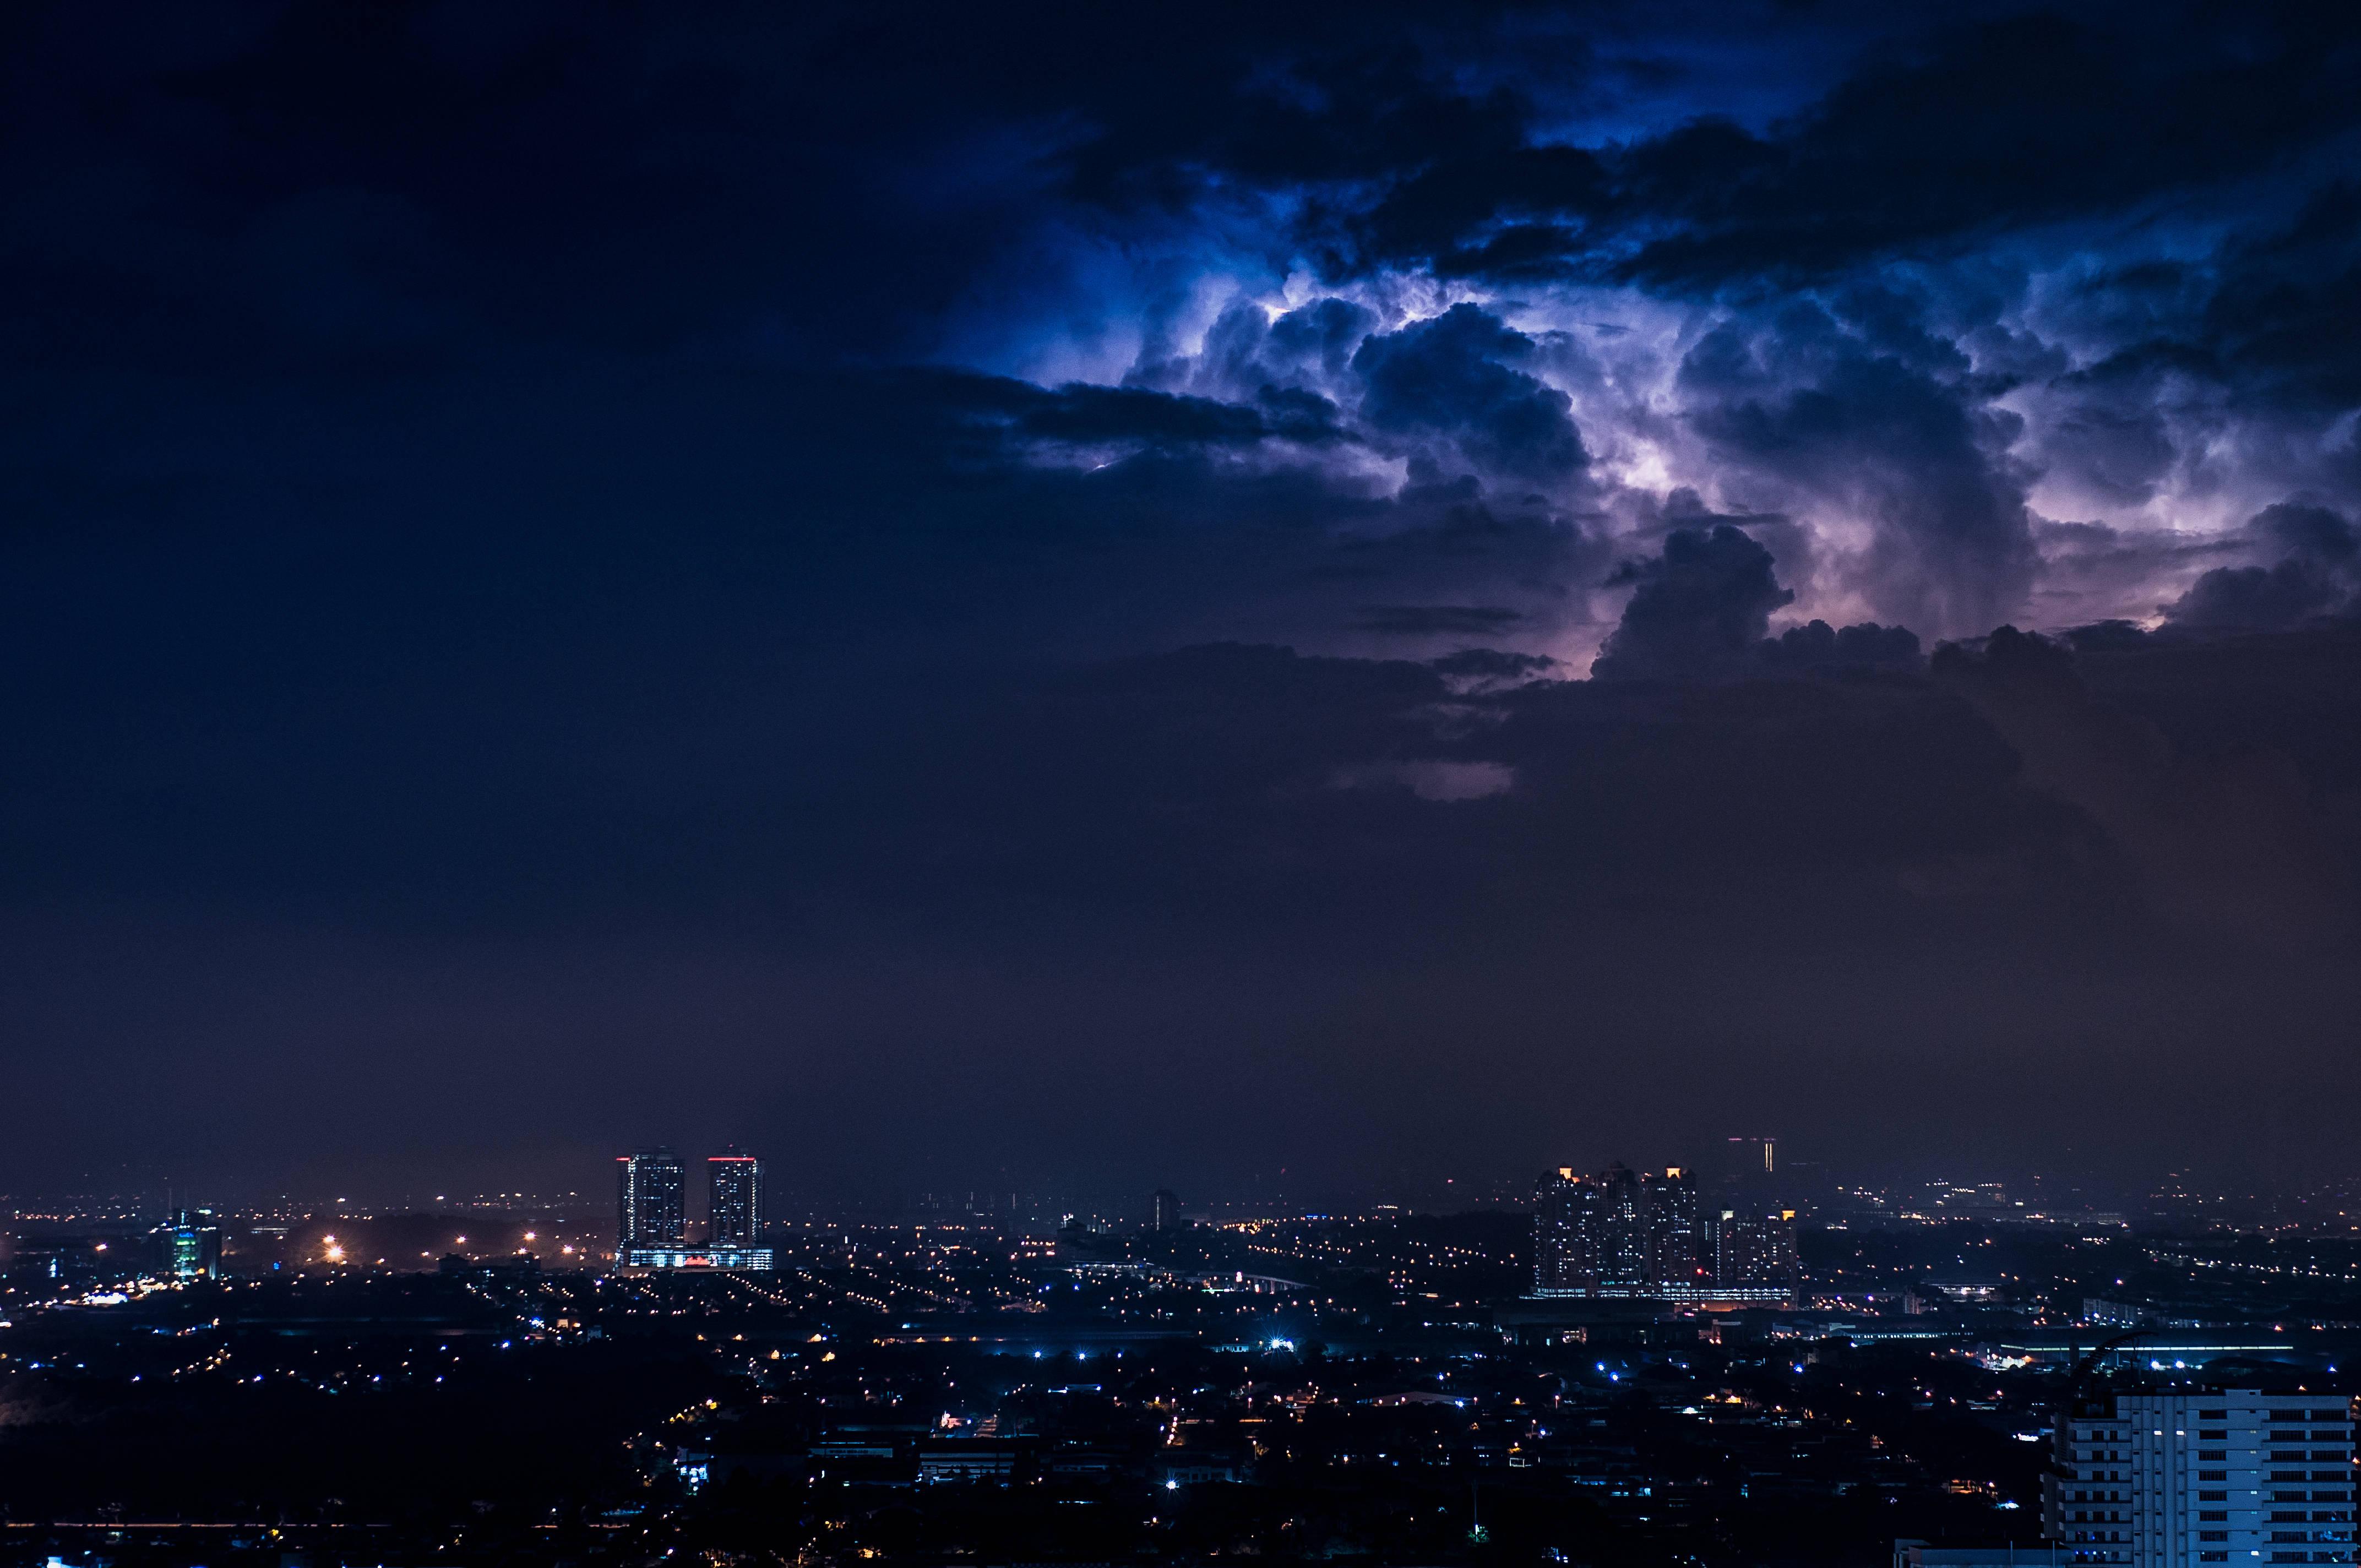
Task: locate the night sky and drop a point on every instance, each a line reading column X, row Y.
column 1095, row 596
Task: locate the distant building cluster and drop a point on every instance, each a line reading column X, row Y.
column 1622, row 1234
column 652, row 1213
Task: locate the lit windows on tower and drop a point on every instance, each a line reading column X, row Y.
column 1622, row 1234
column 189, row 1244
column 735, row 1181
column 648, row 1208
column 2166, row 1477
column 652, row 1221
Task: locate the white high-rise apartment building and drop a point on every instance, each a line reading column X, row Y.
column 2182, row 1479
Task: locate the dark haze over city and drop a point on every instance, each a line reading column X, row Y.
column 1344, row 600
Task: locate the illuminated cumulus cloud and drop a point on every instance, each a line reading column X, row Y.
column 1879, row 475
column 1985, row 315
column 1385, row 332
column 1458, row 393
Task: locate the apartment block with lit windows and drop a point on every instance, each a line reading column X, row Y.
column 2180, row 1480
column 1622, row 1234
column 735, row 1211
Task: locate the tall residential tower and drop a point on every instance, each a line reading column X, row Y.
column 2168, row 1479
column 653, row 1222
column 649, row 1211
column 736, row 1183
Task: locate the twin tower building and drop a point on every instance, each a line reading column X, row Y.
column 652, row 1213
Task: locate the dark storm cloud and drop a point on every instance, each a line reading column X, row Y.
column 1489, row 666
column 2114, row 433
column 2233, row 844
column 2002, row 123
column 1871, row 415
column 2317, row 575
column 1326, row 332
column 1818, row 647
column 1701, row 610
column 2018, row 121
column 1452, row 377
column 1698, row 610
column 2256, row 598
column 2280, row 317
column 1425, row 620
column 1088, row 416
column 1361, row 113
column 1247, row 354
column 2227, row 370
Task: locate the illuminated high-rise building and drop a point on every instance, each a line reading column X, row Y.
column 1618, row 1232
column 1676, row 1242
column 2179, row 1476
column 187, row 1244
column 735, row 1181
column 1164, row 1210
column 1567, row 1225
column 1751, row 1252
column 651, row 1223
column 648, row 1207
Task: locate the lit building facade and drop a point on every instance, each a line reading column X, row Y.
column 2180, row 1480
column 1744, row 1249
column 188, row 1245
column 734, row 1181
column 1623, row 1234
column 691, row 1259
column 648, row 1208
column 651, row 1220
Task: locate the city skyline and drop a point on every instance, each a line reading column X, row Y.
column 1801, row 1170
column 1729, row 1175
column 1717, row 1363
